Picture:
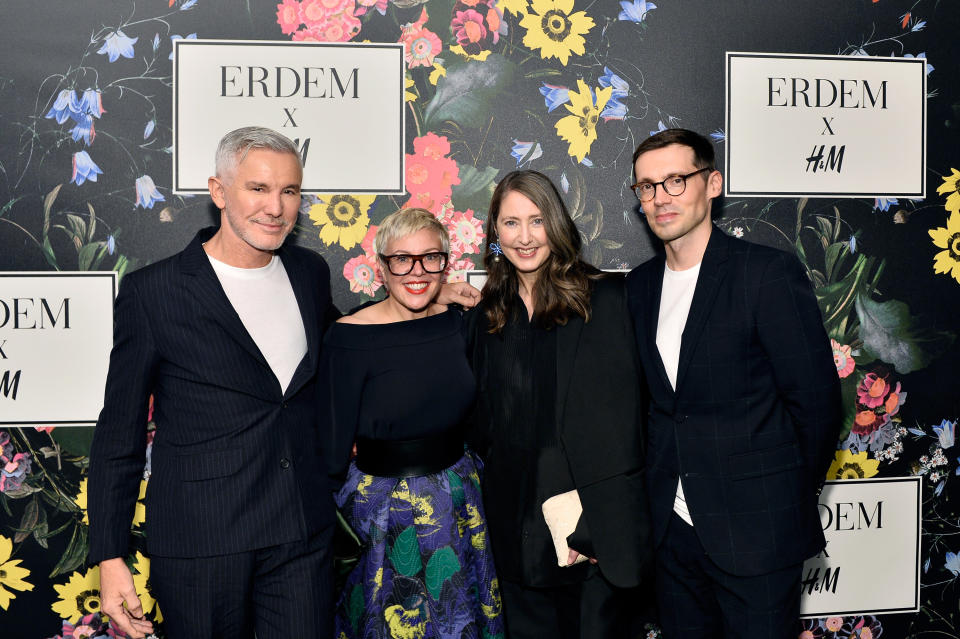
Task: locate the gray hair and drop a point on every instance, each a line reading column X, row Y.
column 235, row 145
column 407, row 222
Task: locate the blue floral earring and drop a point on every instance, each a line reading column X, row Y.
column 496, row 250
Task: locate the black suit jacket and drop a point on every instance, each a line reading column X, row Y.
column 236, row 463
column 599, row 416
column 756, row 413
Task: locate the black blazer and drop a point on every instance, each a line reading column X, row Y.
column 599, row 416
column 235, row 461
column 756, row 414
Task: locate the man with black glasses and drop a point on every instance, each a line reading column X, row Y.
column 744, row 406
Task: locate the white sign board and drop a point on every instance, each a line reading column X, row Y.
column 56, row 332
column 857, row 574
column 341, row 103
column 825, row 126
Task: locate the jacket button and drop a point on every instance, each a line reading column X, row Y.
column 284, row 463
column 283, row 405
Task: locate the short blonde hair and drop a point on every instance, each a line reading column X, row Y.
column 407, row 222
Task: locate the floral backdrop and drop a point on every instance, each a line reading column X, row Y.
column 567, row 87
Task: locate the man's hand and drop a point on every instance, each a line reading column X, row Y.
column 116, row 589
column 459, row 293
column 573, row 555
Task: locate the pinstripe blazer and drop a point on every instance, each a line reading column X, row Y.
column 236, row 463
column 756, row 413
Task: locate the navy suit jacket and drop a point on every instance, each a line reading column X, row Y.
column 236, row 462
column 755, row 417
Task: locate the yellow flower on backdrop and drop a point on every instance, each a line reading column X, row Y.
column 948, row 238
column 516, row 7
column 951, row 185
column 342, row 219
column 79, row 596
column 141, row 581
column 553, row 28
column 409, row 96
column 846, row 465
column 139, row 513
column 438, row 71
column 580, row 127
column 12, row 575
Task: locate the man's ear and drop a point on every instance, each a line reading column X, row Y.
column 714, row 184
column 215, row 186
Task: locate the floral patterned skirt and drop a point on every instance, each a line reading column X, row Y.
column 425, row 570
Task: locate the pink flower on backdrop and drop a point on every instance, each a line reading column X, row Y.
column 361, row 272
column 429, row 175
column 288, row 16
column 367, row 243
column 872, row 391
column 842, row 358
column 420, row 47
column 466, row 232
column 379, row 5
column 44, row 429
column 431, row 145
column 457, row 271
column 314, row 13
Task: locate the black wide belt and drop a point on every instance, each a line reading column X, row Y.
column 409, row 457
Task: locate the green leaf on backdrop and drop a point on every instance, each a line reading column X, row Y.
column 405, row 554
column 74, row 439
column 75, row 554
column 475, row 188
column 466, row 94
column 888, row 334
column 438, row 17
column 848, row 390
column 442, row 565
column 31, row 515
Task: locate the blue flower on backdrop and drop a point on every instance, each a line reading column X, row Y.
column 84, row 168
column 147, row 192
column 554, row 96
column 922, row 55
column 614, row 109
column 660, row 127
column 84, row 129
column 65, row 104
column 147, row 130
column 952, row 563
column 945, row 433
column 118, row 44
column 175, row 37
column 883, row 204
column 525, row 152
column 635, row 11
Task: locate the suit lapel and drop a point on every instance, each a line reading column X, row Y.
column 203, row 283
column 713, row 270
column 654, row 291
column 568, row 339
column 305, row 291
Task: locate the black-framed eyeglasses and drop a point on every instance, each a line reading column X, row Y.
column 403, row 263
column 673, row 185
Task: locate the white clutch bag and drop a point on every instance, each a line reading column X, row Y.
column 562, row 512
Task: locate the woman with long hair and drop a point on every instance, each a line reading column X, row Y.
column 558, row 416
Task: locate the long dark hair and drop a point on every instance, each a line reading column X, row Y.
column 564, row 281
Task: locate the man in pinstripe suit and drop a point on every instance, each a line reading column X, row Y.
column 225, row 335
column 744, row 406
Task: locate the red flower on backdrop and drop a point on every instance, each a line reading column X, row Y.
column 430, row 175
column 466, row 232
column 318, row 20
column 877, row 402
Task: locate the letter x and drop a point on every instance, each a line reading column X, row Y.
column 828, row 128
column 289, row 116
column 2, row 344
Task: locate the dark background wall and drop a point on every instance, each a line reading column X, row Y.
column 672, row 63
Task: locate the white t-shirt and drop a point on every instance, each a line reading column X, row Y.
column 264, row 300
column 675, row 300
